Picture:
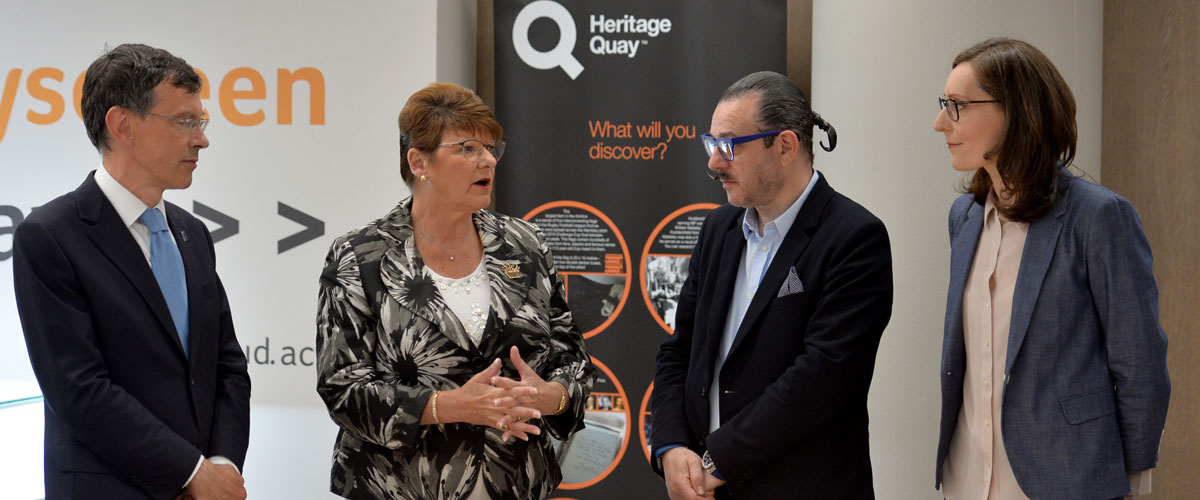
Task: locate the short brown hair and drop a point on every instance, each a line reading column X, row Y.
column 1040, row 133
column 126, row 76
column 433, row 110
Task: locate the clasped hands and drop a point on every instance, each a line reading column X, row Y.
column 491, row 400
column 685, row 476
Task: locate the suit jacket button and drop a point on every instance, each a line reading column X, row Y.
column 193, row 380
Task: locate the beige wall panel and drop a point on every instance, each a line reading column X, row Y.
column 1149, row 155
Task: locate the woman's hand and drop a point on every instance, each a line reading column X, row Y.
column 478, row 402
column 531, row 391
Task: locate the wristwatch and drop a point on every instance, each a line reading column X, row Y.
column 707, row 463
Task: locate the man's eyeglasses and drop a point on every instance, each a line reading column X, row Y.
column 953, row 106
column 725, row 144
column 188, row 124
column 472, row 149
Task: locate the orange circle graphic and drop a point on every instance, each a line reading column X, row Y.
column 624, row 441
column 646, row 253
column 628, row 274
column 643, row 414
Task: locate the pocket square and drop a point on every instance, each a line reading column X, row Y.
column 791, row 285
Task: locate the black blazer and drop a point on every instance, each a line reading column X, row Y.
column 794, row 384
column 127, row 414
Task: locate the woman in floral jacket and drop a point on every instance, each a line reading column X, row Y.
column 444, row 343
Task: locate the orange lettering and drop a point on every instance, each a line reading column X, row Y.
column 316, row 94
column 41, row 93
column 204, row 88
column 6, row 99
column 77, row 94
column 257, row 91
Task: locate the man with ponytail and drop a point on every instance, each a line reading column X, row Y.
column 762, row 390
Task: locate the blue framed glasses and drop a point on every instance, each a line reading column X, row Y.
column 725, row 144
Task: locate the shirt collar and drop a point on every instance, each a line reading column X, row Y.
column 128, row 206
column 783, row 223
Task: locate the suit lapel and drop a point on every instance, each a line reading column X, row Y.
column 408, row 281
column 510, row 271
column 727, row 264
column 962, row 254
column 192, row 268
column 1040, row 242
column 112, row 237
column 793, row 246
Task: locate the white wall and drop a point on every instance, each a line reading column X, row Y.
column 878, row 67
column 344, row 172
column 456, row 42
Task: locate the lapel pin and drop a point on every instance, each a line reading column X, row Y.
column 513, row 271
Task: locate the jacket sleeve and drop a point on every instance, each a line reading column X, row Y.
column 74, row 377
column 569, row 363
column 231, row 422
column 672, row 363
column 1121, row 277
column 360, row 400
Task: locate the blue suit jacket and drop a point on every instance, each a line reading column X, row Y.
column 1086, row 385
column 127, row 413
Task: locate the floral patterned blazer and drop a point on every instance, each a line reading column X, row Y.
column 386, row 341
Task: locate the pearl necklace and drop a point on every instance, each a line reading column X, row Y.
column 474, row 318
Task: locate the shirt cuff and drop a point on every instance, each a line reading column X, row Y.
column 215, row 460
column 220, row 460
column 194, row 471
column 1139, row 481
column 658, row 453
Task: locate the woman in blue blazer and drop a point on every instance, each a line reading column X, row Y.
column 1054, row 375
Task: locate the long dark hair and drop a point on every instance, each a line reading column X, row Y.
column 1040, row 133
column 782, row 106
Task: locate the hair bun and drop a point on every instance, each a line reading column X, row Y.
column 829, row 131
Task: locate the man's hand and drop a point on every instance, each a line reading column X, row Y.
column 215, row 482
column 711, row 483
column 684, row 476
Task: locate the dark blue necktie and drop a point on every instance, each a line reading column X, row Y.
column 167, row 264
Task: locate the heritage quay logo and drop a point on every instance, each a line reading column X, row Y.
column 623, row 35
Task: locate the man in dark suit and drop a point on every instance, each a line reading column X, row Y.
column 126, row 322
column 762, row 390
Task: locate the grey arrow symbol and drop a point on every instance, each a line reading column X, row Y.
column 313, row 228
column 228, row 225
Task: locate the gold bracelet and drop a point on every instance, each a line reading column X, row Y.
column 562, row 400
column 435, row 417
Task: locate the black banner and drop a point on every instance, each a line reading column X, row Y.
column 603, row 104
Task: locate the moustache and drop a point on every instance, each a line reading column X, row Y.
column 718, row 176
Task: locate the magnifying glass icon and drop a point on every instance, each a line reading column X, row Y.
column 560, row 55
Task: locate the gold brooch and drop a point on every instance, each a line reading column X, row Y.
column 513, row 271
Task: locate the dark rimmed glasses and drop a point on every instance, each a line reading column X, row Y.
column 188, row 124
column 952, row 106
column 472, row 149
column 725, row 144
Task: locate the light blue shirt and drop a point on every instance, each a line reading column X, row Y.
column 760, row 251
